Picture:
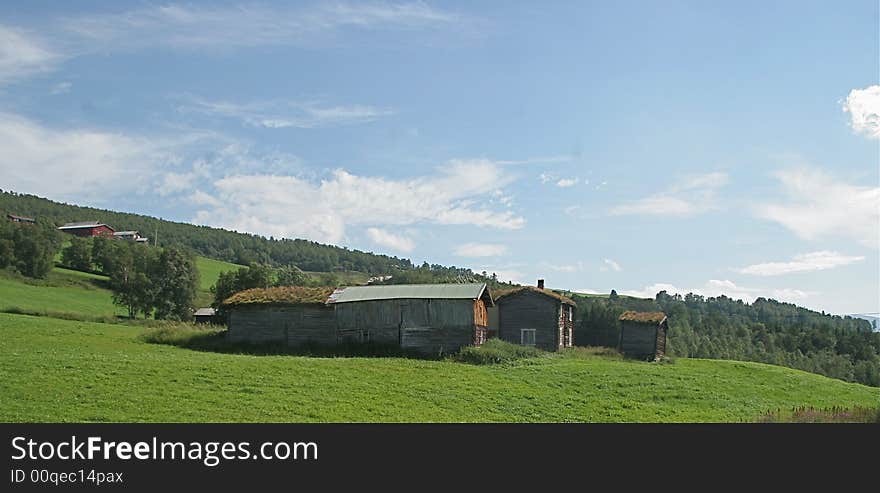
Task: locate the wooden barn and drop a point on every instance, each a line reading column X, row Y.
column 429, row 318
column 87, row 229
column 286, row 315
column 643, row 334
column 534, row 316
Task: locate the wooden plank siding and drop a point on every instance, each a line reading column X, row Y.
column 530, row 310
column 427, row 325
column 642, row 341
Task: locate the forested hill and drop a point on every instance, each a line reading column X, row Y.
column 220, row 244
column 767, row 331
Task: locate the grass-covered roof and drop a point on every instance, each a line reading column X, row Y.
column 284, row 295
column 642, row 317
column 546, row 292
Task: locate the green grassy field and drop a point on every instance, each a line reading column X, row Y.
column 210, row 269
column 58, row 370
column 63, row 290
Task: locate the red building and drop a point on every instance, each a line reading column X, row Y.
column 86, row 229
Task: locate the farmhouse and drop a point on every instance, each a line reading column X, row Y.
column 287, row 315
column 20, row 219
column 130, row 236
column 87, row 229
column 429, row 318
column 534, row 316
column 643, row 334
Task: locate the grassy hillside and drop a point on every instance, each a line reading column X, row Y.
column 64, row 290
column 210, row 269
column 57, row 370
column 73, row 292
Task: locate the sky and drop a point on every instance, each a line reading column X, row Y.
column 710, row 147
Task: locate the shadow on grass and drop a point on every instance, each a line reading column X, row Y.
column 213, row 339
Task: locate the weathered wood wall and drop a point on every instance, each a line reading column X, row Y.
column 294, row 325
column 427, row 325
column 529, row 310
column 638, row 340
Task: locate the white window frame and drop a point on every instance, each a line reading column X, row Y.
column 522, row 334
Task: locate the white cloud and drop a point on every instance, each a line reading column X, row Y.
column 480, row 250
column 289, row 206
column 608, row 264
column 23, row 55
column 694, row 194
column 284, row 114
column 73, row 163
column 60, row 88
column 393, row 241
column 544, row 177
column 566, row 182
column 212, row 27
column 820, row 206
column 715, row 288
column 806, row 262
column 863, row 105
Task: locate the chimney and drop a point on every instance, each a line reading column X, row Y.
column 540, row 284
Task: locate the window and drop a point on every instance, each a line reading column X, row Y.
column 527, row 337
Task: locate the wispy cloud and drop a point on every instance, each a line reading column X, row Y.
column 218, row 26
column 863, row 105
column 60, row 88
column 480, row 250
column 391, row 240
column 67, row 163
column 23, row 54
column 806, row 262
column 692, row 195
column 821, row 206
column 608, row 264
column 566, row 182
column 283, row 114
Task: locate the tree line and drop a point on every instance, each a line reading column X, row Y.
column 766, row 331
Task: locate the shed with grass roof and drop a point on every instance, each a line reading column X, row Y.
column 286, row 315
column 534, row 316
column 643, row 334
column 427, row 318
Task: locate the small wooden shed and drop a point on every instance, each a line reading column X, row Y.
column 287, row 315
column 204, row 315
column 643, row 334
column 534, row 316
column 429, row 318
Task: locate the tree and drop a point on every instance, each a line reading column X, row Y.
column 291, row 275
column 34, row 248
column 175, row 282
column 77, row 255
column 129, row 282
column 103, row 253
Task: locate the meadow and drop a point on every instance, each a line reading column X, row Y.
column 59, row 370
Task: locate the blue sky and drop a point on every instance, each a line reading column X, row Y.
column 726, row 147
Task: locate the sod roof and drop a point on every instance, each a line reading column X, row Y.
column 643, row 317
column 284, row 295
column 546, row 292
